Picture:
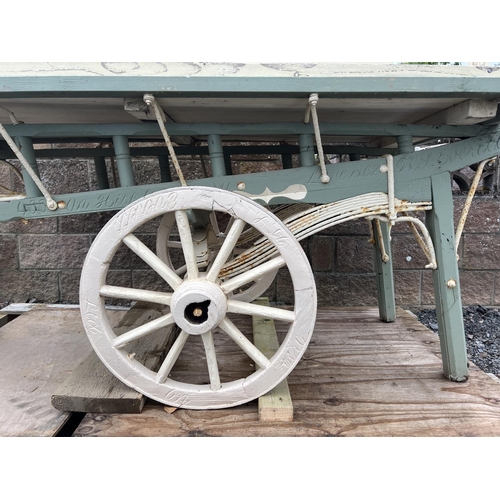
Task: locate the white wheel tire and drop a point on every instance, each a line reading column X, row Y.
column 176, row 393
column 254, row 291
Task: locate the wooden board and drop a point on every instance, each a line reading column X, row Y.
column 358, row 377
column 37, row 352
column 91, row 387
column 276, row 405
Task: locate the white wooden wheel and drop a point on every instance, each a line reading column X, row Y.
column 199, row 303
column 165, row 242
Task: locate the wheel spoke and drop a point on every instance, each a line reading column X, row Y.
column 171, row 358
column 252, row 274
column 234, row 333
column 213, row 369
column 181, row 270
column 153, row 260
column 226, row 249
column 119, row 292
column 239, row 307
column 187, row 243
column 174, row 244
column 143, row 330
column 215, row 224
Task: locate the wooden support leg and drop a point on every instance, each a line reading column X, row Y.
column 446, row 280
column 385, row 278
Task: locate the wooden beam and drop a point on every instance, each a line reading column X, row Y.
column 139, row 109
column 276, row 405
column 469, row 112
column 91, row 387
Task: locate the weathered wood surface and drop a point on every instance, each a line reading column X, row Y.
column 359, row 377
column 37, row 352
column 276, row 405
column 91, row 387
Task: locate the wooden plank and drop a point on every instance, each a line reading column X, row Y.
column 4, row 319
column 358, row 377
column 276, row 405
column 384, row 273
column 37, row 351
column 91, row 387
column 446, row 279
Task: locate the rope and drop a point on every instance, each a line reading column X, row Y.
column 150, row 100
column 311, row 109
column 51, row 203
column 468, row 201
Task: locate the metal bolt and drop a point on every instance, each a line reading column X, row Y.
column 451, row 283
column 241, row 186
column 197, row 312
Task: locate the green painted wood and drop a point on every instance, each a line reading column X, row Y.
column 151, row 130
column 227, row 163
column 101, row 172
column 412, row 181
column 197, row 150
column 391, row 85
column 448, row 300
column 123, row 161
column 165, row 175
column 306, row 146
column 405, row 144
column 384, row 276
column 216, row 155
column 25, row 144
column 286, row 160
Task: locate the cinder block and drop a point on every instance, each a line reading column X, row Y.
column 406, row 252
column 8, row 252
column 481, row 251
column 354, row 254
column 52, row 251
column 321, row 249
column 483, row 216
column 346, row 289
column 70, row 285
column 407, row 288
column 23, row 286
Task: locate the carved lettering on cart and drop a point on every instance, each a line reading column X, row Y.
column 92, row 317
column 28, row 208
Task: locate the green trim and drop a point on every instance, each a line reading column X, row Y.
column 384, row 275
column 134, row 130
column 179, row 86
column 412, row 181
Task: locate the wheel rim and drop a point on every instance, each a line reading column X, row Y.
column 112, row 349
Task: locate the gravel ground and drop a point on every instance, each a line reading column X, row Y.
column 482, row 335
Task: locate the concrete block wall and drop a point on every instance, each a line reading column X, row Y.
column 41, row 260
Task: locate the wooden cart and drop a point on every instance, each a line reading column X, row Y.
column 232, row 232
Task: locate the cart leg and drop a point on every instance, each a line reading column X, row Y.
column 384, row 274
column 446, row 280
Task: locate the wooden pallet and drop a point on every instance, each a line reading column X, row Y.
column 359, row 377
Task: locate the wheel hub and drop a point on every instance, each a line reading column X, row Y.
column 198, row 306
